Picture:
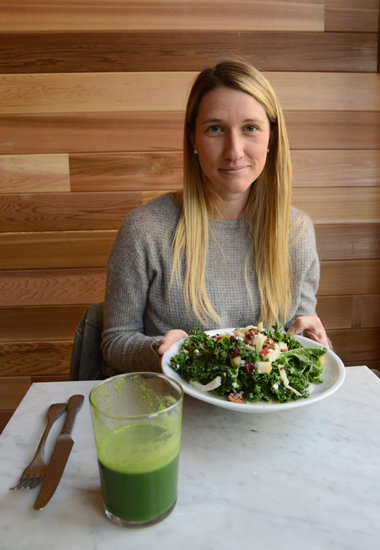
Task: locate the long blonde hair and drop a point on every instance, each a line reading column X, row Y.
column 267, row 210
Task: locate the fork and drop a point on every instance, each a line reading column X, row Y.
column 35, row 472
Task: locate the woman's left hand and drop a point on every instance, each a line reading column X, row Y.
column 312, row 328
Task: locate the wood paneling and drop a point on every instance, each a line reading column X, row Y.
column 356, row 345
column 333, row 130
column 335, row 312
column 52, row 287
column 85, row 286
column 366, row 311
column 35, row 358
column 336, row 168
column 66, row 211
column 33, row 324
column 55, row 249
column 91, row 125
column 352, row 15
column 92, row 132
column 330, row 205
column 67, row 249
column 47, row 15
column 12, row 390
column 126, row 171
column 134, row 171
column 64, row 52
column 158, row 91
column 349, row 277
column 348, row 241
column 34, row 173
column 131, row 132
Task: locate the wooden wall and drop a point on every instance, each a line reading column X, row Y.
column 91, row 108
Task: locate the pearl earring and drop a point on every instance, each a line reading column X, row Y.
column 268, row 150
column 195, row 152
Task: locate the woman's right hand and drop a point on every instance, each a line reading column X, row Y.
column 170, row 338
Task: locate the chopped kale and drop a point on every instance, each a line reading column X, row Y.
column 202, row 358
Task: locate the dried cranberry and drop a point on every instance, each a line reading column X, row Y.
column 233, row 339
column 249, row 367
column 234, row 352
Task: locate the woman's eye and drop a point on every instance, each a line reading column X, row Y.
column 250, row 128
column 214, row 128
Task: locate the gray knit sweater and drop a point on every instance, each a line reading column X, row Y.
column 141, row 305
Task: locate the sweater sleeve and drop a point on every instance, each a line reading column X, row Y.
column 130, row 268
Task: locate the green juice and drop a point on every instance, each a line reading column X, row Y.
column 138, row 467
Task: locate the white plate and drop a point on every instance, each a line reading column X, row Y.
column 333, row 378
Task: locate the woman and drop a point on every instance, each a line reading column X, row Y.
column 227, row 252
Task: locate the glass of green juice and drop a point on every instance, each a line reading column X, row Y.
column 137, row 420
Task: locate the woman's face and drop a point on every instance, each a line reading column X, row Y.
column 232, row 135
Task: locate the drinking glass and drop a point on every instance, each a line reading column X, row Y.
column 137, row 421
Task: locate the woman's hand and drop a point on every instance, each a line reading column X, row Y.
column 170, row 338
column 312, row 328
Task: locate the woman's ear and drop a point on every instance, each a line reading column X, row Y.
column 273, row 135
column 192, row 141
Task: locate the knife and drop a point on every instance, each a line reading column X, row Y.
column 60, row 454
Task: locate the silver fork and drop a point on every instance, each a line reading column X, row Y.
column 35, row 472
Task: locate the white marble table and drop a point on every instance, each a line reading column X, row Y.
column 303, row 479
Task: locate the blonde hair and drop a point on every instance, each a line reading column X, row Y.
column 267, row 210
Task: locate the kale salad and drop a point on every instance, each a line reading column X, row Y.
column 250, row 364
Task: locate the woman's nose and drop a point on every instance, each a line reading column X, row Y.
column 233, row 147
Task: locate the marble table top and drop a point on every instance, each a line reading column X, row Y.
column 303, row 479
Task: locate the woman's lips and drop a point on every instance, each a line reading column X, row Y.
column 233, row 170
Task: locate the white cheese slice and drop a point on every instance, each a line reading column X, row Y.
column 285, row 380
column 207, row 387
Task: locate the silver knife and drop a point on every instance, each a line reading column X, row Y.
column 60, row 454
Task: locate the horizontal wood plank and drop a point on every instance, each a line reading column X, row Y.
column 35, row 358
column 12, row 390
column 339, row 205
column 67, row 249
column 335, row 312
column 348, row 241
column 167, row 91
column 349, row 277
column 34, row 173
column 127, row 132
column 33, row 324
column 163, row 170
column 55, row 249
column 66, row 211
column 65, row 52
column 333, row 130
column 48, row 15
column 126, row 171
column 85, row 286
column 351, row 15
column 366, row 311
column 357, row 346
column 336, row 168
column 52, row 287
column 91, row 132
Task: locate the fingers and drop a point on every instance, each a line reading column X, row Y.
column 312, row 328
column 170, row 338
